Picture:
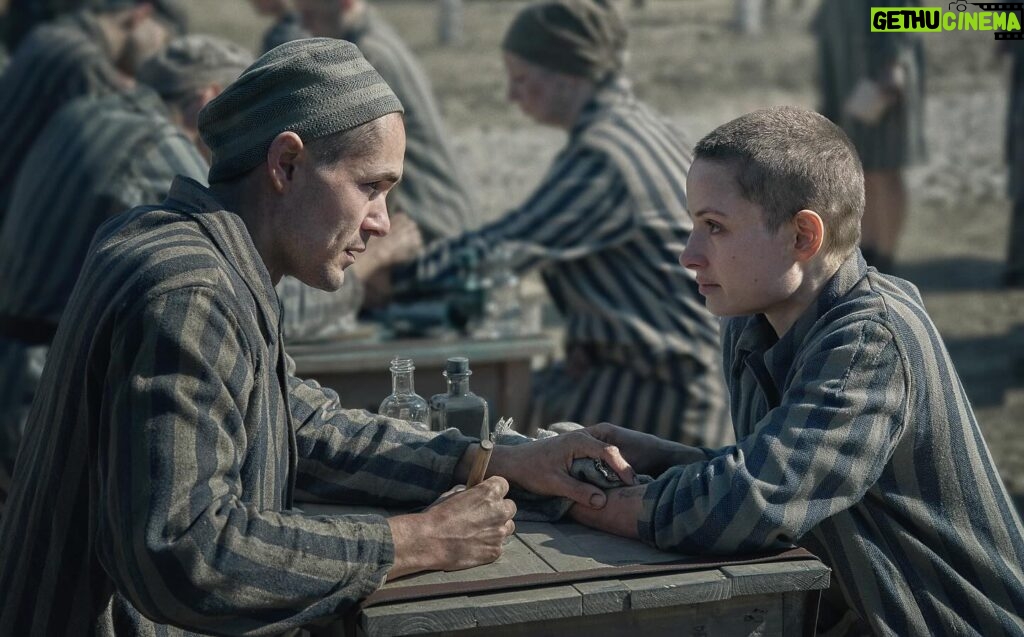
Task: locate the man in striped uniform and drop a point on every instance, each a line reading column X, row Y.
column 603, row 227
column 91, row 52
column 168, row 442
column 98, row 157
column 854, row 434
column 432, row 192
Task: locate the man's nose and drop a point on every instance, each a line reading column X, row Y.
column 378, row 222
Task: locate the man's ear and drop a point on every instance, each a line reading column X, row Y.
column 285, row 154
column 809, row 231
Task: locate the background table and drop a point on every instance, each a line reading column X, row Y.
column 726, row 598
column 359, row 370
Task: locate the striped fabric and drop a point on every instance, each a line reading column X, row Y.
column 849, row 52
column 55, row 64
column 606, row 227
column 168, row 442
column 286, row 29
column 431, row 191
column 96, row 158
column 855, row 433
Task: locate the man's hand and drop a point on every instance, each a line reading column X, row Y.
column 619, row 516
column 464, row 528
column 646, row 453
column 542, row 466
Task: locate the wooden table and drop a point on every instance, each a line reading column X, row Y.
column 359, row 370
column 566, row 580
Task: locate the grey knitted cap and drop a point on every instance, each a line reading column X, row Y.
column 585, row 38
column 314, row 87
column 192, row 62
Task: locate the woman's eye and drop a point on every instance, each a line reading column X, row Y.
column 713, row 227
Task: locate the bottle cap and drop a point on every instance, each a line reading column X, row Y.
column 457, row 365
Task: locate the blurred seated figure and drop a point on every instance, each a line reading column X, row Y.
column 94, row 51
column 603, row 228
column 98, row 157
column 287, row 24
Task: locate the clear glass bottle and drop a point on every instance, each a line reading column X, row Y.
column 502, row 313
column 459, row 407
column 404, row 403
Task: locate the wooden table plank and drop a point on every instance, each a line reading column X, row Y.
column 678, row 588
column 572, row 547
column 603, row 596
column 777, row 577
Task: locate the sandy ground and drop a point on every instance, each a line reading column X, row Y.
column 687, row 61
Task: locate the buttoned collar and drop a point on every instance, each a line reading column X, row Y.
column 779, row 353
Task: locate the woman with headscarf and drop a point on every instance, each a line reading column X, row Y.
column 605, row 228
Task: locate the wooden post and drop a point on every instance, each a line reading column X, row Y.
column 749, row 18
column 449, row 22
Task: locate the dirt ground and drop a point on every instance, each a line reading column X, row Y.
column 686, row 60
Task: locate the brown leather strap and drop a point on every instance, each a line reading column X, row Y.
column 428, row 591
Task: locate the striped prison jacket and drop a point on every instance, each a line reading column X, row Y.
column 56, row 63
column 431, row 192
column 97, row 157
column 168, row 442
column 854, row 432
column 606, row 227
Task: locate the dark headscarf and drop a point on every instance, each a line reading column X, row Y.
column 585, row 38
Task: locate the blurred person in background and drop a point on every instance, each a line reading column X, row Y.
column 602, row 228
column 432, row 191
column 872, row 86
column 169, row 442
column 94, row 51
column 287, row 24
column 21, row 16
column 99, row 156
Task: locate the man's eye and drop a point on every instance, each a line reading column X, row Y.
column 713, row 227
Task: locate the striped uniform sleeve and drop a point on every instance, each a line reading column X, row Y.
column 175, row 533
column 355, row 457
column 581, row 207
column 814, row 455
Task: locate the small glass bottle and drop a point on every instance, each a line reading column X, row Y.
column 502, row 313
column 404, row 403
column 459, row 408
